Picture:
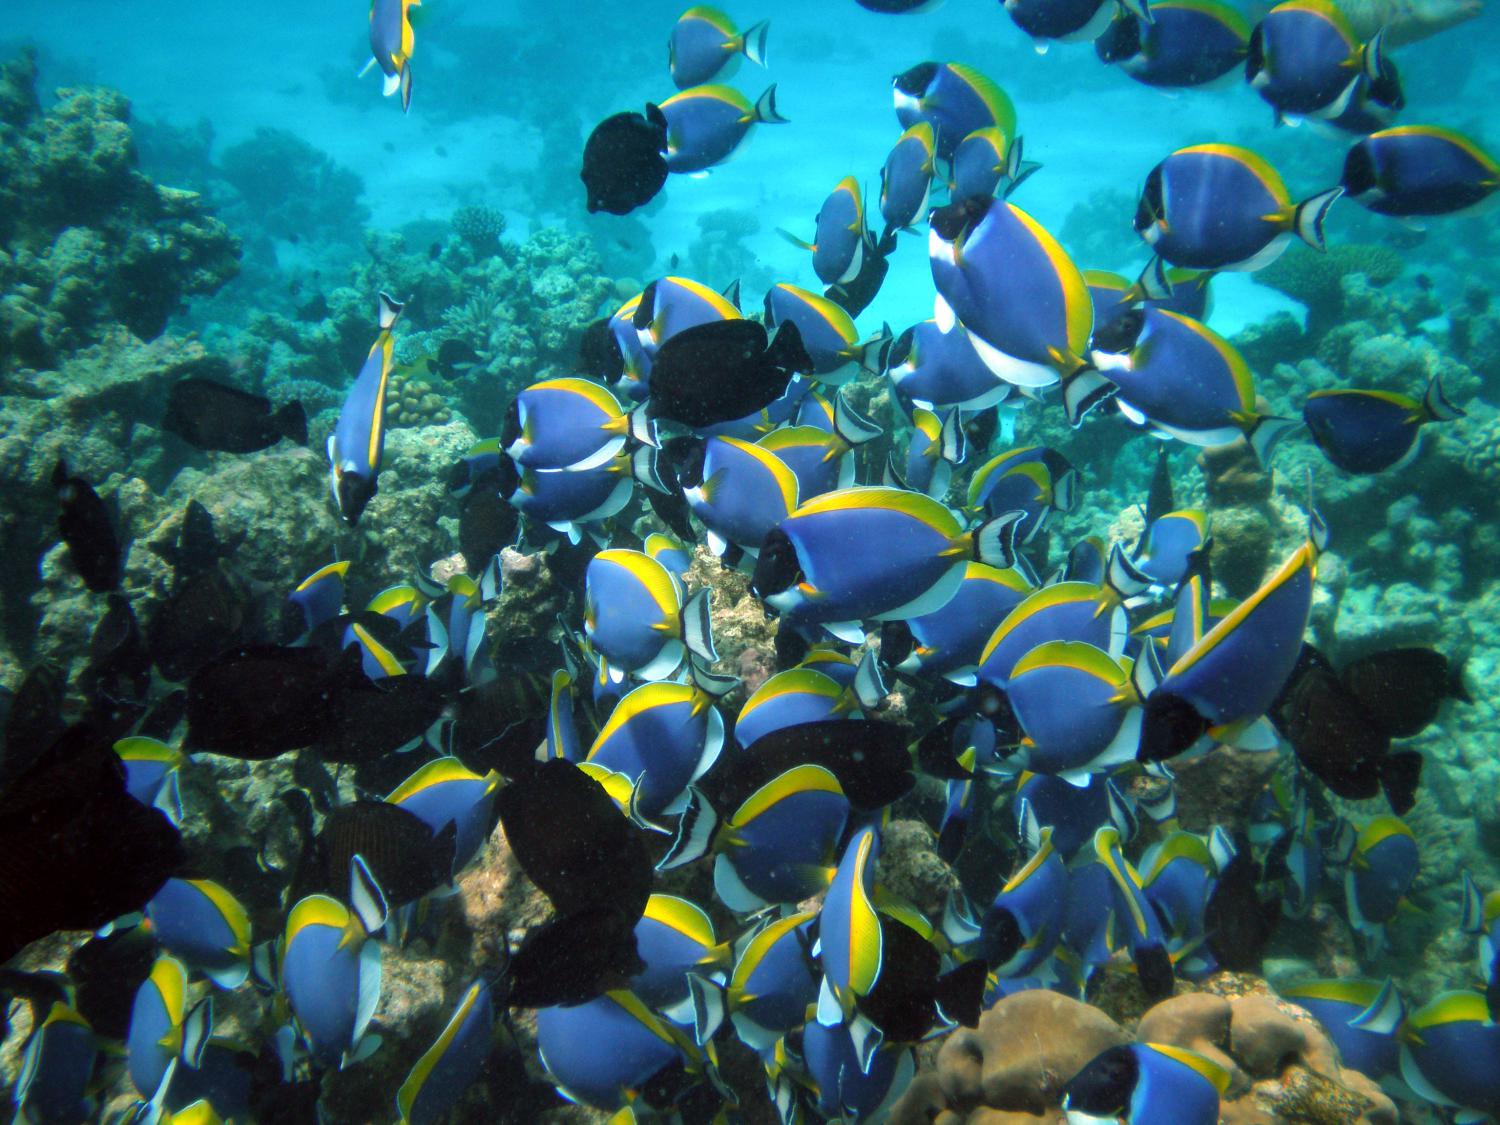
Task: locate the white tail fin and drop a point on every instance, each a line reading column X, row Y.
column 1311, row 214
column 753, row 42
column 765, row 108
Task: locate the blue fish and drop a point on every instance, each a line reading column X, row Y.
column 935, row 447
column 391, row 44
column 707, row 124
column 740, row 492
column 1414, row 170
column 817, row 567
column 849, row 1088
column 635, row 616
column 1146, row 1083
column 819, row 460
column 151, row 771
column 160, row 1032
column 1221, row 207
column 1305, row 60
column 603, row 1052
column 56, row 1070
column 359, row 437
column 572, row 503
column 987, row 162
column 204, row 925
column 330, row 974
column 1187, row 43
column 358, row 440
column 705, row 45
column 663, row 736
column 1178, row 875
column 955, row 100
column 1064, row 611
column 676, row 556
column 1165, row 550
column 906, row 179
column 1360, row 1016
column 1380, row 874
column 1078, row 708
column 453, row 1063
column 841, row 238
column 571, row 423
column 798, row 695
column 1138, row 919
column 1023, row 924
column 480, row 459
column 938, row 369
column 320, row 596
column 828, row 333
column 1371, row 431
column 1481, row 917
column 1032, row 479
column 676, row 940
column 1448, row 1047
column 849, row 934
column 1024, row 304
column 779, row 845
column 1071, row 21
column 562, row 728
column 444, row 791
column 1072, row 813
column 949, row 641
column 774, row 984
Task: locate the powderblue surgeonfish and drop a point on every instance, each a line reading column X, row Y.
column 603, row 1052
column 331, row 975
column 151, row 769
column 1034, row 480
column 706, row 124
column 444, row 791
column 1178, row 875
column 1415, row 170
column 1138, row 919
column 676, row 939
column 774, row 982
column 1360, row 1016
column 1165, row 549
column 320, row 596
column 797, row 695
column 391, row 44
column 850, row 1088
column 676, row 556
column 818, row 567
column 1078, row 710
column 705, row 45
column 1305, row 60
column 955, row 100
column 906, row 179
column 1481, row 917
column 1072, row 21
column 453, row 1063
column 1222, row 207
column 936, row 445
column 1187, row 43
column 828, row 333
column 1380, row 874
column 1448, row 1048
column 937, row 369
column 200, row 922
column 985, row 162
column 662, row 736
column 1064, row 611
column 1072, row 812
column 1023, row 924
column 57, row 1068
column 572, row 503
column 459, row 634
column 358, row 440
column 1020, row 298
column 1146, row 1084
column 1224, row 683
column 570, row 423
column 1364, row 431
column 840, row 239
column 161, row 1032
column 821, row 460
column 849, row 933
column 637, row 618
column 949, row 641
column 740, row 491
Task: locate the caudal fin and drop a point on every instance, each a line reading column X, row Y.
column 406, row 87
column 765, row 108
column 753, row 42
column 1311, row 214
column 1437, row 405
column 697, row 627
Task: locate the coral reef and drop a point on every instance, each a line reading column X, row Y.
column 294, row 190
column 1316, row 281
column 480, row 227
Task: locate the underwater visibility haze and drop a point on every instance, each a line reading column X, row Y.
column 849, row 561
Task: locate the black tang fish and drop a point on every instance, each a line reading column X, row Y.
column 724, row 370
column 624, row 161
column 212, row 415
column 260, row 701
column 85, row 525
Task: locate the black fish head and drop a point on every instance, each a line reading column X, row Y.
column 1001, row 937
column 955, row 221
column 1104, row 1087
column 510, row 429
column 1121, row 40
column 1170, row 726
column 599, row 352
column 1150, row 209
column 1119, row 336
column 914, row 82
column 354, row 491
column 778, row 567
column 898, row 351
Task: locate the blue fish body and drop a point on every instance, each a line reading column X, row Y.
column 56, row 1070
column 705, row 45
column 453, row 1063
column 632, row 613
column 1064, row 611
column 1419, row 170
column 906, row 177
column 778, row 845
column 839, row 238
column 1448, row 1050
column 1073, row 812
column 773, row 983
column 1077, row 708
column 1339, row 1005
column 150, row 768
column 330, row 973
column 1177, row 876
column 603, row 1051
column 845, row 1090
column 1370, row 431
column 567, row 423
column 1303, row 56
column 1380, row 872
column 561, row 500
column 357, row 443
column 827, row 331
column 1034, row 900
column 320, row 596
column 745, row 491
column 444, row 791
column 1167, row 544
column 1148, row 1083
column 156, row 1017
column 849, row 931
column 673, row 938
column 788, row 699
column 204, row 925
column 949, row 641
column 1033, row 480
column 938, row 369
column 1188, row 43
column 979, row 165
column 821, row 461
column 1068, row 20
column 391, row 43
column 706, row 124
column 1090, row 910
column 667, row 735
column 954, row 99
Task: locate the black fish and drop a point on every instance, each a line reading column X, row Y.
column 406, row 857
column 1169, row 726
column 869, row 758
column 910, row 996
column 212, row 415
column 76, row 849
column 314, row 309
column 369, row 721
column 1104, row 1087
column 980, row 429
column 161, row 721
column 260, row 701
column 196, row 547
column 573, row 959
column 498, row 725
column 599, row 353
column 1403, row 687
column 106, row 972
column 34, row 722
column 1237, row 921
column 454, row 359
column 86, row 527
column 724, row 370
column 624, row 161
column 938, row 749
column 202, row 617
column 487, row 522
column 1159, row 499
column 856, row 294
column 574, row 843
column 118, row 673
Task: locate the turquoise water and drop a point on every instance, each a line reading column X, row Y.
column 293, row 537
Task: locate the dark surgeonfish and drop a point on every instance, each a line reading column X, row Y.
column 454, row 359
column 211, row 415
column 1237, row 920
column 85, row 525
column 259, row 701
column 202, row 617
column 724, row 370
column 34, row 720
column 78, row 850
column 624, row 161
column 405, row 857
